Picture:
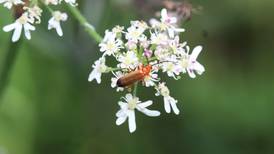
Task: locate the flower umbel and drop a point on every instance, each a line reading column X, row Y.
column 143, row 52
column 29, row 13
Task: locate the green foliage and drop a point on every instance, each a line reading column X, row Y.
column 50, row 108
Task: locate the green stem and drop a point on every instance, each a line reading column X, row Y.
column 113, row 69
column 135, row 89
column 83, row 21
column 7, row 66
column 152, row 59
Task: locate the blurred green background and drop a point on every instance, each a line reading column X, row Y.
column 49, row 107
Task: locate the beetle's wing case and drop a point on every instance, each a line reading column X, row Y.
column 130, row 78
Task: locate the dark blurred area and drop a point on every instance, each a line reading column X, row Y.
column 49, row 107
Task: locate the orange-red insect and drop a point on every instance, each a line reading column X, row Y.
column 134, row 76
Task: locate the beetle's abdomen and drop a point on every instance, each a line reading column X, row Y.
column 130, row 78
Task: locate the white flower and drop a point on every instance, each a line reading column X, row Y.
column 54, row 22
column 188, row 63
column 128, row 60
column 159, row 39
column 131, row 45
column 110, row 45
column 18, row 25
column 134, row 33
column 150, row 79
column 168, row 24
column 53, row 2
column 165, row 18
column 169, row 102
column 71, row 2
column 9, row 3
column 127, row 110
column 99, row 67
column 177, row 47
column 162, row 53
column 34, row 13
column 114, row 80
column 171, row 67
column 140, row 25
column 171, row 23
column 117, row 29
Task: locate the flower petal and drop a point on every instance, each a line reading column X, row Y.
column 17, row 33
column 195, row 53
column 59, row 29
column 174, row 107
column 121, row 120
column 129, row 97
column 131, row 121
column 167, row 105
column 191, row 73
column 27, row 31
column 151, row 113
column 164, row 13
column 145, row 104
column 9, row 27
column 199, row 68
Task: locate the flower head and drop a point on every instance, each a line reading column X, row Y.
column 99, row 67
column 127, row 111
column 128, row 60
column 142, row 53
column 9, row 3
column 28, row 13
column 21, row 23
column 169, row 102
column 110, row 44
column 54, row 22
column 189, row 64
column 34, row 13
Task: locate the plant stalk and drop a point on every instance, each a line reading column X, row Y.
column 83, row 21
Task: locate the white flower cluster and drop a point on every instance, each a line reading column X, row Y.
column 31, row 15
column 142, row 51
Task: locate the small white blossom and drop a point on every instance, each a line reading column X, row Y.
column 9, row 3
column 140, row 25
column 34, row 14
column 169, row 102
column 54, row 22
column 170, row 22
column 188, row 63
column 99, row 67
column 117, row 76
column 170, row 68
column 110, row 45
column 159, row 39
column 52, row 2
column 162, row 53
column 150, row 79
column 128, row 60
column 177, row 47
column 71, row 2
column 134, row 33
column 117, row 29
column 127, row 111
column 167, row 24
column 22, row 22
